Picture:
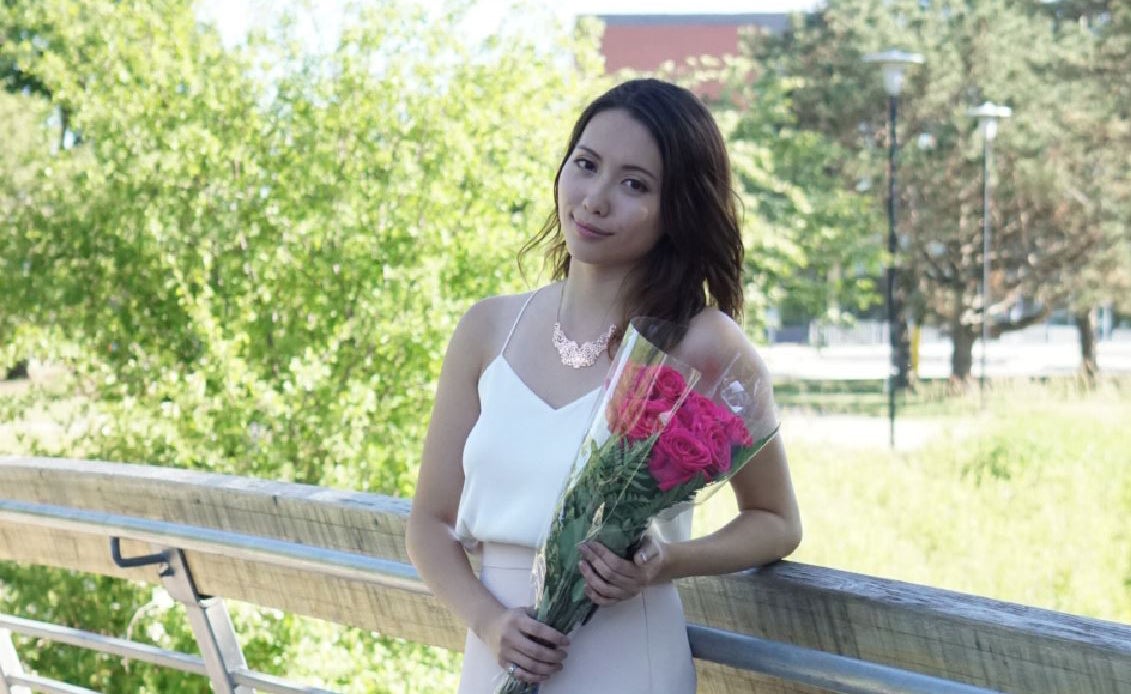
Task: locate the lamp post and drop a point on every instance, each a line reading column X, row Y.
column 988, row 115
column 893, row 64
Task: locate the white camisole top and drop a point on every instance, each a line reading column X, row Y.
column 518, row 457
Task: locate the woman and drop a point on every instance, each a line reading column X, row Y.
column 645, row 225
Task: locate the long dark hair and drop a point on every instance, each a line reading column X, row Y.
column 699, row 253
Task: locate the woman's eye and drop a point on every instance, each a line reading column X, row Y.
column 585, row 164
column 636, row 185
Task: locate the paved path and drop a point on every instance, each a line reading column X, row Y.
column 871, row 362
column 1002, row 359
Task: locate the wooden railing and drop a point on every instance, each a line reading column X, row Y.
column 60, row 513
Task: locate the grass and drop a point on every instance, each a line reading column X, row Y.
column 866, row 397
column 1026, row 502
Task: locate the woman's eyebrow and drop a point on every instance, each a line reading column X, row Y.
column 627, row 167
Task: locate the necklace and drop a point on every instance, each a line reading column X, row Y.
column 579, row 355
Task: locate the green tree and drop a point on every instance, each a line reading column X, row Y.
column 255, row 256
column 996, row 50
column 1107, row 279
column 810, row 243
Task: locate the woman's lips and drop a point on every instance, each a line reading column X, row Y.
column 590, row 232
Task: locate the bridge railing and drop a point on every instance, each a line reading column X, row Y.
column 340, row 556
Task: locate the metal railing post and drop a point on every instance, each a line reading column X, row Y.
column 9, row 664
column 210, row 623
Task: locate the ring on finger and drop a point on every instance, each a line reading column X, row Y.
column 511, row 668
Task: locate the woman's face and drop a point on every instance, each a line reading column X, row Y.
column 609, row 192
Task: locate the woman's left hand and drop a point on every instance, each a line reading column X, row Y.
column 610, row 579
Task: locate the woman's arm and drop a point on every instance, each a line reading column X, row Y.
column 430, row 536
column 767, row 527
column 768, row 524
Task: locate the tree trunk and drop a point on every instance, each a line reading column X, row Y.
column 962, row 341
column 962, row 359
column 1086, row 329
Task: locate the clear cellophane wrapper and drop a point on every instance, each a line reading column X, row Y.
column 663, row 436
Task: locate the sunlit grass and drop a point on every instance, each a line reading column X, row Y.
column 1026, row 502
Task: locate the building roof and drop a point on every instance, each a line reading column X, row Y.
column 774, row 21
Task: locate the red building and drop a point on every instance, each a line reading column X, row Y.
column 645, row 42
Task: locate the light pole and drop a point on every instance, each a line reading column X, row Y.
column 893, row 64
column 988, row 115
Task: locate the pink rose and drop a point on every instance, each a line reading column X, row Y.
column 716, row 426
column 621, row 412
column 650, row 421
column 678, row 457
column 642, row 399
column 716, row 438
column 636, row 418
column 668, row 386
column 691, row 410
column 736, row 430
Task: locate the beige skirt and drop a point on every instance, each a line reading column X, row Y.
column 638, row 646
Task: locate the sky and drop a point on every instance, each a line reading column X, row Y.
column 234, row 17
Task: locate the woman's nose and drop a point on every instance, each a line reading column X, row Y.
column 596, row 202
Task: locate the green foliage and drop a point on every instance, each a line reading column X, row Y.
column 811, row 244
column 252, row 258
column 275, row 266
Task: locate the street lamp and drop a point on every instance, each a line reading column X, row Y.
column 893, row 64
column 988, row 115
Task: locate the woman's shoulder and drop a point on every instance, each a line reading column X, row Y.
column 712, row 327
column 714, row 338
column 498, row 310
column 488, row 321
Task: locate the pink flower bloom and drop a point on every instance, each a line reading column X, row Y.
column 668, row 386
column 736, row 430
column 650, row 421
column 677, row 457
column 716, row 439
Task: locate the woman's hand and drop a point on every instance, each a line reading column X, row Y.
column 535, row 650
column 610, row 579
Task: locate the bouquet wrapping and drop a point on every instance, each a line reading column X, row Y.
column 661, row 434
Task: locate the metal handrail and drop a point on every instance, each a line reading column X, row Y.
column 793, row 663
column 184, row 662
column 829, row 671
column 283, row 553
column 105, row 644
column 45, row 686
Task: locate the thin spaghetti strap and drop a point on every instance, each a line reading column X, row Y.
column 518, row 318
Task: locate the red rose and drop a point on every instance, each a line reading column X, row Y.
column 691, row 410
column 736, row 430
column 678, row 457
column 720, row 444
column 668, row 385
column 636, row 418
column 715, row 426
column 621, row 412
column 650, row 421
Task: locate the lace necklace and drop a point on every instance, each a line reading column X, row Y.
column 578, row 355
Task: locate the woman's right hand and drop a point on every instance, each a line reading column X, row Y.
column 535, row 649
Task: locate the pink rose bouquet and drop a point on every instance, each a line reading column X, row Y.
column 655, row 440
